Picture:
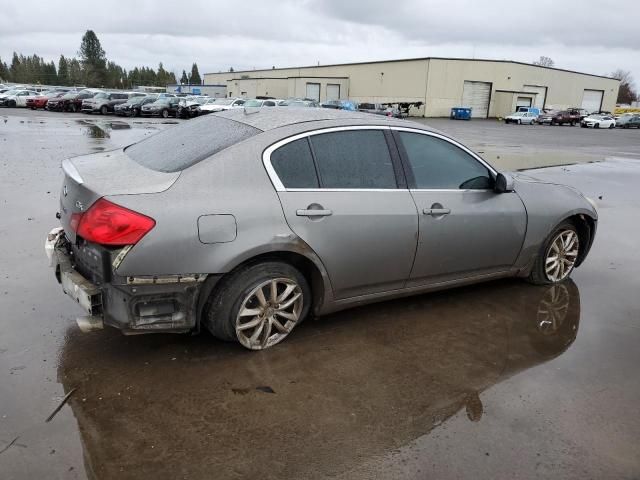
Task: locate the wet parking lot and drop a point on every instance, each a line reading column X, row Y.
column 499, row 381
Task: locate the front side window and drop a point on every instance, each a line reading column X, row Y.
column 439, row 164
column 293, row 163
column 353, row 159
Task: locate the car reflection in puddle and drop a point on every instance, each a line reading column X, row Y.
column 101, row 129
column 341, row 389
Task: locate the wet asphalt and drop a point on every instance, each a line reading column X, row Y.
column 502, row 380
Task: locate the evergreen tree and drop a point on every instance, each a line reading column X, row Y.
column 63, row 71
column 4, row 71
column 75, row 73
column 94, row 60
column 184, row 78
column 194, row 78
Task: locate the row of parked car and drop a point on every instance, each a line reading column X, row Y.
column 90, row 100
column 573, row 116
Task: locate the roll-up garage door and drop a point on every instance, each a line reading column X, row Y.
column 333, row 91
column 592, row 100
column 523, row 102
column 313, row 91
column 540, row 97
column 477, row 95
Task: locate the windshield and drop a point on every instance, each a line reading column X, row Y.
column 253, row 103
column 185, row 145
column 101, row 95
column 223, row 101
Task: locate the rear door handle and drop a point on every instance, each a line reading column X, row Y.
column 313, row 213
column 434, row 212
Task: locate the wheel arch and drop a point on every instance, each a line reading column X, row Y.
column 585, row 225
column 311, row 269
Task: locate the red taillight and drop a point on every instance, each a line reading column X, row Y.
column 110, row 224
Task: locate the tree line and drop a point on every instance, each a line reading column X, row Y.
column 90, row 69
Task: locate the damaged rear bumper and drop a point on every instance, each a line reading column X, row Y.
column 167, row 303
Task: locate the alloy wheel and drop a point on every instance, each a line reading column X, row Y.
column 561, row 256
column 269, row 313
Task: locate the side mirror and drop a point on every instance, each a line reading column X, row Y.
column 503, row 183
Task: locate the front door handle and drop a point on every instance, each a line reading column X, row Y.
column 436, row 212
column 313, row 213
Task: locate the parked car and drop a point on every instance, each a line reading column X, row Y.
column 261, row 102
column 299, row 102
column 598, row 121
column 133, row 106
column 340, row 105
column 522, row 118
column 189, row 107
column 163, row 107
column 72, row 101
column 246, row 224
column 629, row 120
column 40, row 101
column 378, row 109
column 559, row 117
column 580, row 112
column 17, row 98
column 221, row 104
column 104, row 102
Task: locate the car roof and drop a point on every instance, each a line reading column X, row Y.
column 269, row 119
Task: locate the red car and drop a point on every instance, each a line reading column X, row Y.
column 40, row 101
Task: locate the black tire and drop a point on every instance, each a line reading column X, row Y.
column 165, row 113
column 519, row 122
column 597, row 125
column 104, row 110
column 12, row 103
column 573, row 124
column 222, row 307
column 612, row 126
column 72, row 108
column 537, row 275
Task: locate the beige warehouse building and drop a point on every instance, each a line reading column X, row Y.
column 493, row 88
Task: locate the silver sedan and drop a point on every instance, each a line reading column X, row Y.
column 247, row 223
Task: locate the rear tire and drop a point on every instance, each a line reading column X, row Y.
column 266, row 323
column 104, row 110
column 165, row 114
column 12, row 103
column 72, row 108
column 566, row 255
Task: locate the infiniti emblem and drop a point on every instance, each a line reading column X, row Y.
column 79, row 205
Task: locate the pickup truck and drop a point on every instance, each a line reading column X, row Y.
column 559, row 117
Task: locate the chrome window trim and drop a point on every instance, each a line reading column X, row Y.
column 446, row 139
column 277, row 183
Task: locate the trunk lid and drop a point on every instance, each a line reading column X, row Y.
column 90, row 177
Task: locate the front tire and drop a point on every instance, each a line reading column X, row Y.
column 557, row 257
column 103, row 110
column 258, row 305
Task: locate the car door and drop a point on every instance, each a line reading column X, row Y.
column 343, row 193
column 465, row 228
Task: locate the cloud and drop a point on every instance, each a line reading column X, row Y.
column 587, row 35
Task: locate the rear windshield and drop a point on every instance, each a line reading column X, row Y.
column 180, row 147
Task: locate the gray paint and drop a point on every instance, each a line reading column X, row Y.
column 364, row 252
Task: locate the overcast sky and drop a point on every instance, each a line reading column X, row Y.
column 585, row 35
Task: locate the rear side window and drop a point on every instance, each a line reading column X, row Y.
column 353, row 159
column 294, row 165
column 438, row 164
column 190, row 142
